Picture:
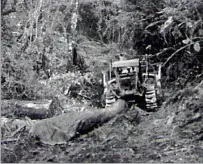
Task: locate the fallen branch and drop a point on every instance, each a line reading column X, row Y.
column 83, row 96
column 8, row 141
column 20, row 129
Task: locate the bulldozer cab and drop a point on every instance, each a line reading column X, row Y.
column 123, row 73
column 126, row 73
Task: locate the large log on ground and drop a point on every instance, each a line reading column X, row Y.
column 60, row 129
column 39, row 109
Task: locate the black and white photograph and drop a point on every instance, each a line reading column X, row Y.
column 101, row 81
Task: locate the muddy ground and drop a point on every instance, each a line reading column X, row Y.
column 172, row 134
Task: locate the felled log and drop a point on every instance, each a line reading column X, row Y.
column 62, row 128
column 32, row 109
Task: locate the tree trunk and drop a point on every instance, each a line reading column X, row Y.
column 60, row 129
column 71, row 39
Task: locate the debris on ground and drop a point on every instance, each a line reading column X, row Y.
column 172, row 134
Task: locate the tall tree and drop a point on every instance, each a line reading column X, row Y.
column 71, row 41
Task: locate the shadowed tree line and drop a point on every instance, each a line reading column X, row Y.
column 36, row 39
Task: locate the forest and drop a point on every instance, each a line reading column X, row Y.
column 54, row 55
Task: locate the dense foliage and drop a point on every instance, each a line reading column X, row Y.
column 35, row 39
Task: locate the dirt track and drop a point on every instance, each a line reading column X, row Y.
column 172, row 134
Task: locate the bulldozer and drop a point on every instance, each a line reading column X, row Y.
column 136, row 81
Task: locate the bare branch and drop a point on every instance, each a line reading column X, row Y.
column 180, row 49
column 164, row 50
